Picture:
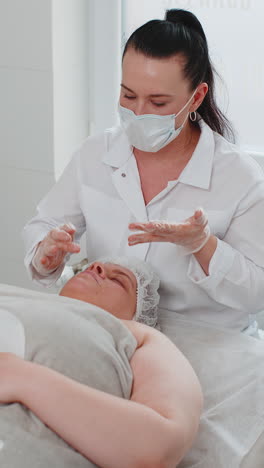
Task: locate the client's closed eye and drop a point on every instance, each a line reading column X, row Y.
column 119, row 281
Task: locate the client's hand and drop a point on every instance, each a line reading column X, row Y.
column 52, row 250
column 192, row 234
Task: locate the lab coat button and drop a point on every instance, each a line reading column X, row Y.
column 123, row 174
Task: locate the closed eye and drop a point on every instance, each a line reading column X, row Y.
column 125, row 281
column 159, row 104
column 119, row 281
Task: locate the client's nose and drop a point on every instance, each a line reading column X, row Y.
column 99, row 268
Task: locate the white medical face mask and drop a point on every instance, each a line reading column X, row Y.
column 150, row 132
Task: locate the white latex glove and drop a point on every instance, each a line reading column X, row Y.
column 53, row 248
column 192, row 234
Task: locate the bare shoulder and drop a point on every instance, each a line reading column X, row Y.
column 146, row 335
column 139, row 330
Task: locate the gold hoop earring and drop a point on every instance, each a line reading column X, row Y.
column 193, row 116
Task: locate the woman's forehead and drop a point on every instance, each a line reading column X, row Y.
column 153, row 74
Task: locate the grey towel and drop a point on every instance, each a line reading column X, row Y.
column 77, row 339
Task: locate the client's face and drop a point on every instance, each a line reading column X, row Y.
column 107, row 285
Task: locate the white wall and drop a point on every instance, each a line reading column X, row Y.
column 43, row 112
column 26, row 123
column 105, row 62
column 71, row 78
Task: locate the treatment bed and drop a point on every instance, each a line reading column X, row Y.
column 67, row 336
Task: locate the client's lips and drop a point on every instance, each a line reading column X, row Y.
column 93, row 274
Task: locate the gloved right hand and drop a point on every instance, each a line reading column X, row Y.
column 191, row 234
column 53, row 248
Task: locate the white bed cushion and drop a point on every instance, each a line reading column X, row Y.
column 12, row 334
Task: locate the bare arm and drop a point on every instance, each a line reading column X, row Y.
column 149, row 430
column 165, row 381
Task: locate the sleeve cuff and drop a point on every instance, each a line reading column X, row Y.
column 46, row 281
column 220, row 264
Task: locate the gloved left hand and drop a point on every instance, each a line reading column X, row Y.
column 192, row 234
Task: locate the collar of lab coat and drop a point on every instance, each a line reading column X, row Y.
column 198, row 170
column 118, row 149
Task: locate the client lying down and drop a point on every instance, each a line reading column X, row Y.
column 154, row 425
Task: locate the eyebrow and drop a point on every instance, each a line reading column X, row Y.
column 151, row 95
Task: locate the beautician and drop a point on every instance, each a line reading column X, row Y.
column 166, row 186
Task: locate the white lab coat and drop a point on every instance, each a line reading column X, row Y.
column 100, row 193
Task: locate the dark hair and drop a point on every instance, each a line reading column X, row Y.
column 182, row 33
